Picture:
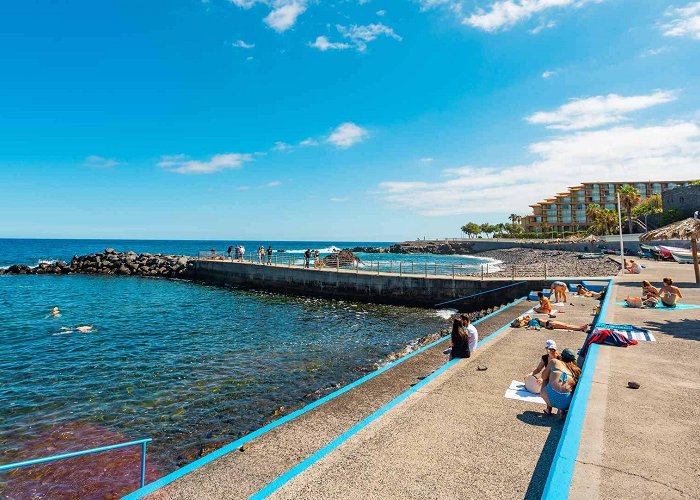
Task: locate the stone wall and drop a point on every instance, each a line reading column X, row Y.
column 362, row 286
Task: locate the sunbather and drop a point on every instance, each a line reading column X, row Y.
column 532, row 382
column 670, row 294
column 632, row 267
column 558, row 289
column 559, row 381
column 640, row 302
column 556, row 325
column 545, row 305
column 650, row 290
column 585, row 292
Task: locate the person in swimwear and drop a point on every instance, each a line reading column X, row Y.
column 670, row 294
column 558, row 289
column 556, row 325
column 55, row 312
column 650, row 290
column 545, row 305
column 632, row 267
column 585, row 292
column 559, row 380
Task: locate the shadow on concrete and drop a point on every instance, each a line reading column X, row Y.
column 539, row 476
column 683, row 328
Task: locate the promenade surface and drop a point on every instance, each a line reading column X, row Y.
column 455, row 437
column 645, row 443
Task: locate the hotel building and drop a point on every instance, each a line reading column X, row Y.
column 567, row 211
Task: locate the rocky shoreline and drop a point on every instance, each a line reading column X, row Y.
column 111, row 262
column 561, row 263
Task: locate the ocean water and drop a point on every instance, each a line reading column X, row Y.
column 191, row 366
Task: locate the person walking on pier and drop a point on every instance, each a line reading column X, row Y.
column 242, row 253
column 307, row 257
column 230, row 249
column 269, row 255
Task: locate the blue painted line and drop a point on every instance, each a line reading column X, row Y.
column 562, row 470
column 480, row 293
column 330, row 447
column 169, row 478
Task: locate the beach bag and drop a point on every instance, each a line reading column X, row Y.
column 533, row 384
column 633, row 301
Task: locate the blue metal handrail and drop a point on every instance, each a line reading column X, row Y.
column 37, row 461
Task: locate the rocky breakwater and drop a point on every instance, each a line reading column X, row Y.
column 115, row 263
column 440, row 247
column 344, row 258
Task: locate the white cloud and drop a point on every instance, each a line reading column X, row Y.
column 284, row 14
column 597, row 111
column 614, row 154
column 685, row 21
column 323, row 44
column 347, row 134
column 359, row 37
column 362, row 35
column 654, row 52
column 340, row 200
column 504, row 14
column 281, row 146
column 245, row 4
column 243, row 45
column 271, row 184
column 427, row 160
column 94, row 161
column 548, row 74
column 182, row 164
column 542, row 26
column 308, row 142
column 380, row 13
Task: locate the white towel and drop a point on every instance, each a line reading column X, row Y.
column 517, row 391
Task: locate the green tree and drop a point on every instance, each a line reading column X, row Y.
column 471, row 229
column 603, row 219
column 515, row 218
column 629, row 198
column 486, row 228
column 671, row 215
column 695, row 183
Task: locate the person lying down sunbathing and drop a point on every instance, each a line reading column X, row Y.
column 536, row 324
column 585, row 292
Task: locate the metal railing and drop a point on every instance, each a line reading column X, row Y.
column 37, row 461
column 404, row 267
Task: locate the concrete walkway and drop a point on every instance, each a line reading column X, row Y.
column 458, row 437
column 241, row 473
column 645, row 443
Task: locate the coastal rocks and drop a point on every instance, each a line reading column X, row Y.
column 433, row 247
column 342, row 258
column 532, row 262
column 369, row 250
column 111, row 262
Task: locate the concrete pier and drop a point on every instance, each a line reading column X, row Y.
column 422, row 290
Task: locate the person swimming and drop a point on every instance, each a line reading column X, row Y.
column 55, row 312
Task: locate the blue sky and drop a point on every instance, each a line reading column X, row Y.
column 333, row 120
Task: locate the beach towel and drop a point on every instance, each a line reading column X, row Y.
column 606, row 337
column 630, row 331
column 517, row 391
column 660, row 306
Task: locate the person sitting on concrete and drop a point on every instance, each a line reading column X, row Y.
column 460, row 340
column 472, row 333
column 545, row 305
column 532, row 382
column 632, row 267
column 649, row 290
column 559, row 380
column 670, row 294
column 558, row 289
column 585, row 292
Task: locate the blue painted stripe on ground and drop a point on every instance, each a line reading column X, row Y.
column 480, row 293
column 315, row 457
column 169, row 478
column 561, row 471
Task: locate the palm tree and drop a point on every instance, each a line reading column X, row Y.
column 514, row 218
column 629, row 198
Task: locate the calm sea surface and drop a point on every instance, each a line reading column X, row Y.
column 191, row 366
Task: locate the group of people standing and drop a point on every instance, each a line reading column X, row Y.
column 238, row 252
column 307, row 258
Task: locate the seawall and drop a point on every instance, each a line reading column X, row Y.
column 412, row 290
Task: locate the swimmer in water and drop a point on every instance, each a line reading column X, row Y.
column 55, row 312
column 84, row 328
